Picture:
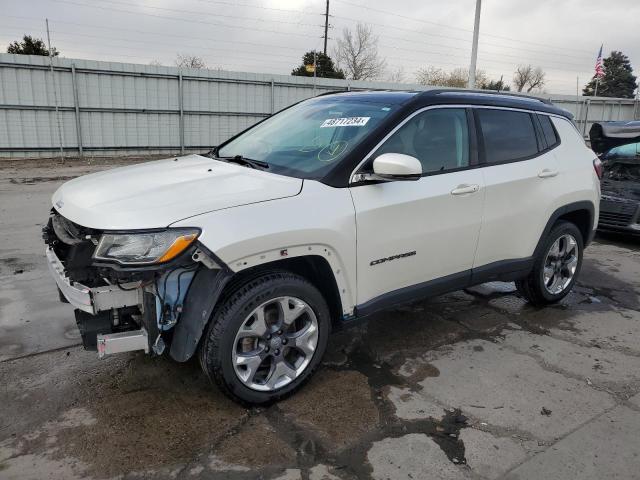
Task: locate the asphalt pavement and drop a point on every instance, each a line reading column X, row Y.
column 471, row 385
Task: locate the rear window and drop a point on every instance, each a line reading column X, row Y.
column 507, row 135
column 548, row 131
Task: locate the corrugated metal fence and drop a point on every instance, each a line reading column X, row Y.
column 109, row 108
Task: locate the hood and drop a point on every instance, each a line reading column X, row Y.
column 604, row 136
column 156, row 194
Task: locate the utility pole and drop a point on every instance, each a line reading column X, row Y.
column 474, row 48
column 326, row 27
column 315, row 68
column 55, row 94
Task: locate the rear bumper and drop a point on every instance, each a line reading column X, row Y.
column 93, row 300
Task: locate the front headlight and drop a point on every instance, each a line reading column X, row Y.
column 144, row 248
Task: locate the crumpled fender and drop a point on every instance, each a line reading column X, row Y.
column 203, row 294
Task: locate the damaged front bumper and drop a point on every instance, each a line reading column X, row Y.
column 121, row 309
column 95, row 300
column 92, row 300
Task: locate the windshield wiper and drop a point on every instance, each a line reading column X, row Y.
column 248, row 162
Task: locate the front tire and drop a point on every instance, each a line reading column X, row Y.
column 266, row 339
column 556, row 268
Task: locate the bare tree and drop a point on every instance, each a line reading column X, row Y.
column 357, row 53
column 189, row 61
column 155, row 63
column 529, row 78
column 397, row 75
column 458, row 77
column 431, row 76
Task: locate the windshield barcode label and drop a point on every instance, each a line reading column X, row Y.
column 345, row 122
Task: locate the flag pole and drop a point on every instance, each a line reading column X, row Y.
column 595, row 92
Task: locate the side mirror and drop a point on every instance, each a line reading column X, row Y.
column 397, row 166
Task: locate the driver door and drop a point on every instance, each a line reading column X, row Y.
column 416, row 238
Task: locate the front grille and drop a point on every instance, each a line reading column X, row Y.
column 617, row 214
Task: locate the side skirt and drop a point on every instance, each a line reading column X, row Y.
column 505, row 271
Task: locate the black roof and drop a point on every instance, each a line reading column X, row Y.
column 383, row 96
column 439, row 96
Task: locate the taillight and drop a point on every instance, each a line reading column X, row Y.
column 597, row 166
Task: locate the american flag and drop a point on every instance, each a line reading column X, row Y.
column 599, row 64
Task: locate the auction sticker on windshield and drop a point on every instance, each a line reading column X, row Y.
column 345, row 122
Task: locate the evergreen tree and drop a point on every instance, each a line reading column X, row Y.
column 497, row 85
column 618, row 80
column 325, row 66
column 31, row 46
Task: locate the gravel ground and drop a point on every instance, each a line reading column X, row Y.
column 471, row 385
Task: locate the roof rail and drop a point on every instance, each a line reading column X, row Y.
column 461, row 91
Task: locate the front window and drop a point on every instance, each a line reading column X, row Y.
column 439, row 138
column 309, row 139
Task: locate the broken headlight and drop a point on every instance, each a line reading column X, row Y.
column 144, row 248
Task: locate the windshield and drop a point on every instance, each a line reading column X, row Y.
column 310, row 138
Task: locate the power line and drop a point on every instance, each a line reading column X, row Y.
column 486, row 61
column 173, row 18
column 405, row 17
column 463, row 49
column 217, row 15
column 163, row 34
column 271, row 58
column 448, row 37
column 262, row 7
column 387, row 12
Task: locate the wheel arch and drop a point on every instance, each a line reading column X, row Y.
column 318, row 264
column 315, row 268
column 581, row 214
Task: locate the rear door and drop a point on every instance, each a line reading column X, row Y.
column 522, row 182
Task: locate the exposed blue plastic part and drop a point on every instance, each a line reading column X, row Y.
column 172, row 296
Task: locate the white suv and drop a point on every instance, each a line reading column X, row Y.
column 334, row 208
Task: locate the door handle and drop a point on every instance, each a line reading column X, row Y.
column 546, row 173
column 464, row 189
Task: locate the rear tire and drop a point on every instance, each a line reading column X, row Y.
column 556, row 268
column 266, row 339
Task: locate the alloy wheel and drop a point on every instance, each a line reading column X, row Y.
column 560, row 264
column 275, row 343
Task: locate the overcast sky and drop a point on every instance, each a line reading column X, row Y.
column 561, row 36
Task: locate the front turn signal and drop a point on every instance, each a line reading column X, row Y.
column 178, row 246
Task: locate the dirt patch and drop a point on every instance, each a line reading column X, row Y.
column 335, row 404
column 145, row 413
column 34, row 180
column 256, row 444
column 415, row 329
column 417, row 371
column 15, row 265
column 56, row 164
